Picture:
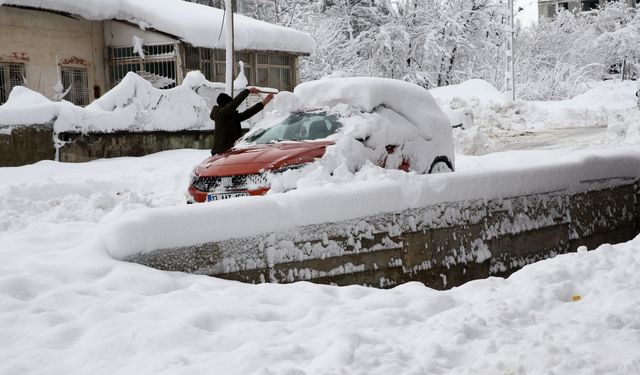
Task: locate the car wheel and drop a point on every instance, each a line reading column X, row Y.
column 440, row 165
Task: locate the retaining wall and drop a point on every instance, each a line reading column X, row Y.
column 31, row 143
column 26, row 144
column 84, row 147
column 442, row 245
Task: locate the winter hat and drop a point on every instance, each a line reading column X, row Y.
column 223, row 99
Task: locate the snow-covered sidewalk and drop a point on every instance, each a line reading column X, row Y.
column 67, row 307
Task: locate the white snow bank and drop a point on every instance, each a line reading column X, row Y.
column 611, row 104
column 321, row 197
column 66, row 304
column 461, row 102
column 193, row 23
column 474, row 91
column 133, row 105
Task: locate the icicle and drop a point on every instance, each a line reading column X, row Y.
column 137, row 46
column 241, row 81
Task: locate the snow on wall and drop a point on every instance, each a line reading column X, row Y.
column 527, row 173
column 133, row 105
column 194, row 23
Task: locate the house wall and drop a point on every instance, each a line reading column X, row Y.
column 548, row 8
column 120, row 34
column 35, row 38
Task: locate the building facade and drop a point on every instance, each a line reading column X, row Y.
column 41, row 47
column 549, row 8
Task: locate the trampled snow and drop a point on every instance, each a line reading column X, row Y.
column 67, row 307
column 196, row 24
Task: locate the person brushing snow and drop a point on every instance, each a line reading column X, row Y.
column 227, row 119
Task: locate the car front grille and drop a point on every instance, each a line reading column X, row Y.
column 229, row 183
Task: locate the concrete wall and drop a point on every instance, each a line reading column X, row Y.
column 443, row 245
column 26, row 145
column 35, row 38
column 31, row 143
column 120, row 34
column 85, row 147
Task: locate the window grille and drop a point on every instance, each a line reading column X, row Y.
column 196, row 58
column 158, row 66
column 11, row 75
column 275, row 71
column 219, row 65
column 76, row 81
column 211, row 3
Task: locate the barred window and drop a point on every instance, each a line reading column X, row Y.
column 11, row 75
column 220, row 65
column 275, row 71
column 76, row 81
column 158, row 66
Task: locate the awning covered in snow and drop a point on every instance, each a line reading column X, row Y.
column 196, row 24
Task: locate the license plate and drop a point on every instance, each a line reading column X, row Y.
column 219, row 197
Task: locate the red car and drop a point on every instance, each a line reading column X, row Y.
column 406, row 130
column 298, row 140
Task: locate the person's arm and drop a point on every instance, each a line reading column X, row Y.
column 228, row 109
column 255, row 109
column 242, row 116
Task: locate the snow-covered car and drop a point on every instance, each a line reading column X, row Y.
column 330, row 124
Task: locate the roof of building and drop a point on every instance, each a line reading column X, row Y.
column 196, row 24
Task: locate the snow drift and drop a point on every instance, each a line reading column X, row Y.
column 133, row 105
column 344, row 196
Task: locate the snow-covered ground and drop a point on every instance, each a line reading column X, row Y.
column 66, row 306
column 604, row 116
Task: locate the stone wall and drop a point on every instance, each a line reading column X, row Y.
column 443, row 245
column 84, row 147
column 31, row 143
column 26, row 144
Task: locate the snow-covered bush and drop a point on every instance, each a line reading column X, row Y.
column 435, row 43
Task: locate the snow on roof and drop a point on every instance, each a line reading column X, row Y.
column 196, row 24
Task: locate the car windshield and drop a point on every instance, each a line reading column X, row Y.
column 300, row 126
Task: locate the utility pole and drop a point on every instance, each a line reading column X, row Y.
column 510, row 73
column 228, row 20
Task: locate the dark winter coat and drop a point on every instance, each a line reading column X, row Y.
column 227, row 122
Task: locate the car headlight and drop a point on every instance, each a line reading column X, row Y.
column 193, row 178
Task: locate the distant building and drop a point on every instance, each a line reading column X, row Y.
column 549, row 8
column 92, row 44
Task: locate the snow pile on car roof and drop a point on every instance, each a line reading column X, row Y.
column 133, row 105
column 194, row 23
column 368, row 93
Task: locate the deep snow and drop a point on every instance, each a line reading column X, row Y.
column 66, row 306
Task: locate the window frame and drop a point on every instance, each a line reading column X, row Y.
column 7, row 82
column 76, row 81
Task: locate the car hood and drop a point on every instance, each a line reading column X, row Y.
column 259, row 158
